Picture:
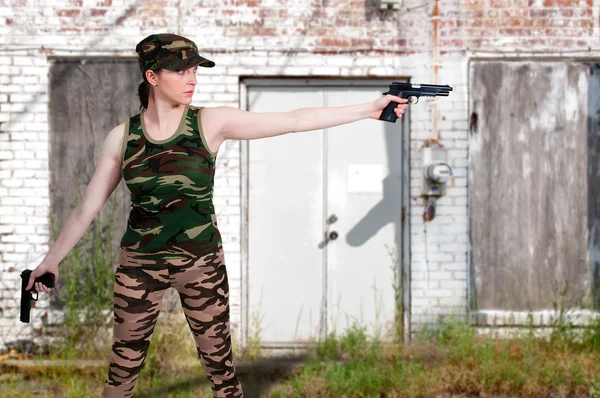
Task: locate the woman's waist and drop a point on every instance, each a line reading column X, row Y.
column 172, row 203
column 172, row 230
column 182, row 216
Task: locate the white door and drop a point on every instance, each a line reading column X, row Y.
column 323, row 223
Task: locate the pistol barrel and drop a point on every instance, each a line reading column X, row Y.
column 428, row 90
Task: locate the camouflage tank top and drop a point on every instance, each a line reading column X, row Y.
column 171, row 183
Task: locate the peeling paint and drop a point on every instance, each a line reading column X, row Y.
column 593, row 171
column 529, row 184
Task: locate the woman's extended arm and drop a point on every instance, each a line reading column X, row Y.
column 243, row 125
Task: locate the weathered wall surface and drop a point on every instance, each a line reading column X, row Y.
column 593, row 182
column 529, row 184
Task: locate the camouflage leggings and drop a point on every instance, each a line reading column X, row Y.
column 140, row 283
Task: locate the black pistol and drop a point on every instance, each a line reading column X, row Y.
column 407, row 90
column 26, row 296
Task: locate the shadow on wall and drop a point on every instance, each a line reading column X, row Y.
column 388, row 210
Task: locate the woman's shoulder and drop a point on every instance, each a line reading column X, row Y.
column 196, row 110
column 212, row 115
column 115, row 140
column 207, row 116
column 210, row 122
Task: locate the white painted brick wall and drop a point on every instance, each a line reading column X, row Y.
column 113, row 27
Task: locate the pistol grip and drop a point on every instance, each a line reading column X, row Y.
column 47, row 279
column 388, row 113
column 27, row 297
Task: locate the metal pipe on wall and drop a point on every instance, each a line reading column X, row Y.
column 436, row 65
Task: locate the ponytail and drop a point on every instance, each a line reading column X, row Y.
column 145, row 89
column 144, row 94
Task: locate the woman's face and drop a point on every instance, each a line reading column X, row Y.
column 175, row 87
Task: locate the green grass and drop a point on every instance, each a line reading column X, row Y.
column 450, row 357
column 453, row 358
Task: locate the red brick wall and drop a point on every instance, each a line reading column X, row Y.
column 318, row 25
column 524, row 25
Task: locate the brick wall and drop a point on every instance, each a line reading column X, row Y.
column 428, row 41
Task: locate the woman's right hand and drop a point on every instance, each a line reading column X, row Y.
column 39, row 271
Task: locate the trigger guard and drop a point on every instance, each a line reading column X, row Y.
column 416, row 102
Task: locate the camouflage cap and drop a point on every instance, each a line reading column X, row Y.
column 169, row 51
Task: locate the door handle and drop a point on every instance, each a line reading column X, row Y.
column 333, row 235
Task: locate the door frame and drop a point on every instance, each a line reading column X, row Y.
column 404, row 271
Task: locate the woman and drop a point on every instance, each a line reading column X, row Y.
column 166, row 155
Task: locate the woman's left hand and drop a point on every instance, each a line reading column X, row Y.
column 380, row 104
